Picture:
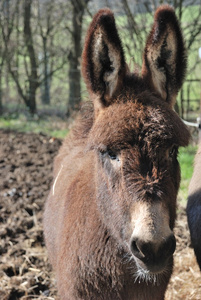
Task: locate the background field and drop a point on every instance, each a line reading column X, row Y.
column 29, row 141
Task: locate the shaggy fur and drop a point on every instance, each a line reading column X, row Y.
column 109, row 218
column 194, row 207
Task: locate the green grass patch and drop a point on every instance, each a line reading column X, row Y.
column 186, row 159
column 52, row 128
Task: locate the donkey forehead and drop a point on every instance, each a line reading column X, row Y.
column 133, row 122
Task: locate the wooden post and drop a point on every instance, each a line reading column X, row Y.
column 199, row 129
column 199, row 124
column 182, row 103
column 199, row 119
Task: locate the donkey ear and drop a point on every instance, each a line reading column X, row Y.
column 164, row 61
column 103, row 64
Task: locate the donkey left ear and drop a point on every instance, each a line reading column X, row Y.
column 103, row 64
column 164, row 61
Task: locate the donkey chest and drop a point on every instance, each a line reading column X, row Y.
column 102, row 286
column 106, row 274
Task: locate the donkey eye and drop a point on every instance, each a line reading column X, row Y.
column 112, row 155
column 173, row 151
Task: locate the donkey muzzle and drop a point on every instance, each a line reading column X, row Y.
column 151, row 256
column 152, row 241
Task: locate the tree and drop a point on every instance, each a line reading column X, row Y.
column 30, row 97
column 32, row 33
column 78, row 9
column 27, row 92
column 7, row 24
column 49, row 18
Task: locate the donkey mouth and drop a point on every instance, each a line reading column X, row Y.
column 153, row 267
column 153, row 273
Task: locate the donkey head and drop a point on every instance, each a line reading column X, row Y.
column 136, row 134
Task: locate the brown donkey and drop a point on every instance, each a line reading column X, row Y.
column 194, row 207
column 110, row 214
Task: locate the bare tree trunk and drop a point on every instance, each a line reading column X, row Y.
column 1, row 91
column 45, row 86
column 74, row 84
column 75, row 56
column 33, row 76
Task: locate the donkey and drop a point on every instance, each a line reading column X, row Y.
column 110, row 214
column 194, row 207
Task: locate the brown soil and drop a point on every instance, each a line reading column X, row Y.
column 25, row 176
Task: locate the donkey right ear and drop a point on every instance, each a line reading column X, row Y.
column 164, row 63
column 103, row 63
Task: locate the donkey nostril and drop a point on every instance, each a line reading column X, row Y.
column 134, row 247
column 151, row 252
column 136, row 250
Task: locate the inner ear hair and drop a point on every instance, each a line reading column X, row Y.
column 103, row 63
column 107, row 64
column 165, row 61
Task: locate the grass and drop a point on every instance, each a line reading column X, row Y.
column 186, row 159
column 56, row 129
